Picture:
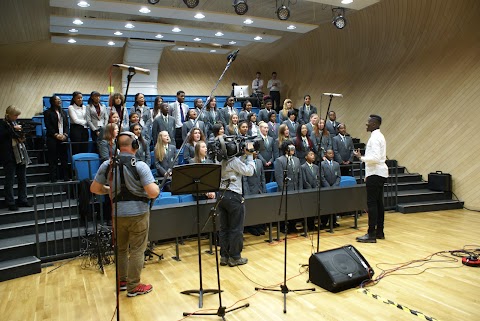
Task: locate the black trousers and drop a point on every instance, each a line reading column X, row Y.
column 232, row 216
column 178, row 137
column 57, row 152
column 275, row 95
column 376, row 211
column 79, row 139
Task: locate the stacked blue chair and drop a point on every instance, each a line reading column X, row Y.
column 271, row 187
column 85, row 165
column 186, row 198
column 165, row 200
column 347, row 181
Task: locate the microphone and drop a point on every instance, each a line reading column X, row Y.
column 133, row 69
column 333, row 95
column 233, row 55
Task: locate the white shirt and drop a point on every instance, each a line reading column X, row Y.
column 375, row 155
column 78, row 115
column 271, row 87
column 257, row 85
column 177, row 115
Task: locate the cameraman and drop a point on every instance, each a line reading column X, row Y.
column 231, row 207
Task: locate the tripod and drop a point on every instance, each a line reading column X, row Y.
column 283, row 288
column 221, row 309
column 197, row 178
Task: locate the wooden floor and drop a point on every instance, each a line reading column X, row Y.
column 446, row 291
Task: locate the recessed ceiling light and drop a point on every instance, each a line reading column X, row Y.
column 257, row 38
column 213, row 50
column 129, row 25
column 291, row 27
column 347, row 1
column 83, row 4
column 199, row 16
column 248, row 21
column 77, row 22
column 232, row 42
column 159, row 36
column 219, row 34
column 111, row 43
column 73, row 30
column 144, row 10
column 176, row 29
column 181, row 48
column 118, row 33
column 197, row 39
column 71, row 40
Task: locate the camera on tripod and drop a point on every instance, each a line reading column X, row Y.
column 225, row 147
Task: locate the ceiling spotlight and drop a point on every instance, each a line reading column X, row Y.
column 181, row 48
column 153, row 1
column 191, row 3
column 118, row 33
column 291, row 27
column 71, row 41
column 129, row 25
column 77, row 22
column 258, row 38
column 83, row 4
column 283, row 13
column 199, row 16
column 213, row 50
column 248, row 21
column 219, row 34
column 176, row 29
column 197, row 39
column 347, row 1
column 111, row 43
column 240, row 6
column 232, row 42
column 73, row 30
column 159, row 36
column 144, row 10
column 339, row 20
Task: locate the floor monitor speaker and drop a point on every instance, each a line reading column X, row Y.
column 339, row 269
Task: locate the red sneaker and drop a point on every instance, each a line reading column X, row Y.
column 140, row 289
column 123, row 286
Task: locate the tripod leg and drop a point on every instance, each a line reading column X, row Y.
column 270, row 226
column 177, row 251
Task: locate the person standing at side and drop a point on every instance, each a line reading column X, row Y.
column 231, row 208
column 274, row 85
column 136, row 186
column 376, row 173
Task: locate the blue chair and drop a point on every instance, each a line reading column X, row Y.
column 40, row 130
column 166, row 200
column 85, row 165
column 271, row 187
column 347, row 181
column 186, row 198
column 165, row 194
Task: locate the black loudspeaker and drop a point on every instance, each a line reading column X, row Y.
column 339, row 269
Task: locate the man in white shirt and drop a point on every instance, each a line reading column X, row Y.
column 274, row 85
column 376, row 173
column 257, row 84
column 179, row 113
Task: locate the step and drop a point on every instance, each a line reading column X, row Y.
column 32, row 178
column 17, row 268
column 57, row 243
column 69, row 207
column 50, row 198
column 31, row 169
column 44, row 225
column 429, row 206
column 421, row 195
column 30, row 187
column 405, row 186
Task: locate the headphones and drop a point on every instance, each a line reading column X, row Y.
column 135, row 143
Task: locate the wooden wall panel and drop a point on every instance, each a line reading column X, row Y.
column 416, row 63
column 32, row 70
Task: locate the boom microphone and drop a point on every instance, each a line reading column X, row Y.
column 133, row 69
column 332, row 94
column 233, row 55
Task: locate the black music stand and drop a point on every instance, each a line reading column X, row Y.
column 196, row 179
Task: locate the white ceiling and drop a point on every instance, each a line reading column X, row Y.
column 104, row 17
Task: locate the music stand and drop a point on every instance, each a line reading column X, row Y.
column 196, row 179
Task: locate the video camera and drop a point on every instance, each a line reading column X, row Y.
column 225, row 147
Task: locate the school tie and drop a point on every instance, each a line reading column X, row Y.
column 182, row 116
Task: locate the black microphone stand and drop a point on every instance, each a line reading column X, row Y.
column 283, row 288
column 221, row 309
column 131, row 73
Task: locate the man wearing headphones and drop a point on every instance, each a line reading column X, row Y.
column 134, row 185
column 232, row 208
